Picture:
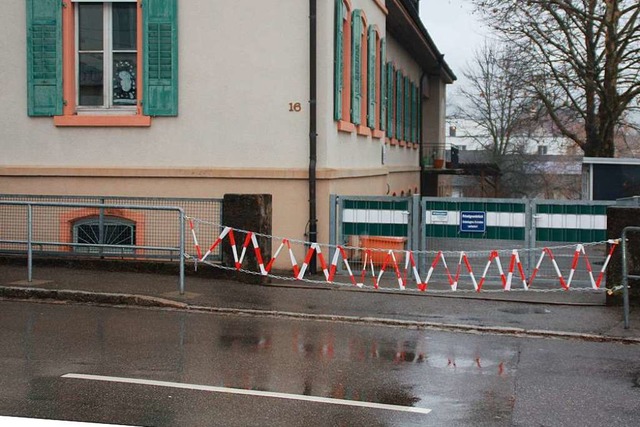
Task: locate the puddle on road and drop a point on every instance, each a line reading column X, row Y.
column 399, row 368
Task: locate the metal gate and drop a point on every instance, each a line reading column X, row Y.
column 477, row 227
column 361, row 223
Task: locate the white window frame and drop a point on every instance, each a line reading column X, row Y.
column 107, row 52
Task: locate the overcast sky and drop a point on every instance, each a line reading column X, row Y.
column 455, row 30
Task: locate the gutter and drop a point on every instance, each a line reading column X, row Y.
column 313, row 136
column 423, row 75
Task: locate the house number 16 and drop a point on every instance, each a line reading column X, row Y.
column 295, row 107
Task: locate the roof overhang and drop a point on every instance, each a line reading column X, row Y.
column 610, row 161
column 404, row 24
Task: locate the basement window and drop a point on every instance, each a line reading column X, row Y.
column 114, row 231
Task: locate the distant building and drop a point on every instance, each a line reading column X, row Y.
column 542, row 165
column 466, row 135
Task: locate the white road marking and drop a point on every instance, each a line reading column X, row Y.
column 370, row 405
column 30, row 422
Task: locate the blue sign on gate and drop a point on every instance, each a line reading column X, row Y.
column 473, row 221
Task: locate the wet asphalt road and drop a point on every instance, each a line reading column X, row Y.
column 466, row 380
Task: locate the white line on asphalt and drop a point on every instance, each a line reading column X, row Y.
column 30, row 422
column 288, row 396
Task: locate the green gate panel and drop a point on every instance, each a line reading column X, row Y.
column 368, row 229
column 400, row 205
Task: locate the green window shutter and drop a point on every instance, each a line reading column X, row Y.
column 356, row 66
column 371, row 78
column 419, row 113
column 399, row 105
column 412, row 98
column 383, row 84
column 44, row 57
column 415, row 113
column 390, row 105
column 160, row 47
column 338, row 62
column 407, row 110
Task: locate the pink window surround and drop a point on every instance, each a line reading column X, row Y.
column 344, row 124
column 362, row 128
column 69, row 116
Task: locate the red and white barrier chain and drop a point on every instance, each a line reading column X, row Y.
column 409, row 264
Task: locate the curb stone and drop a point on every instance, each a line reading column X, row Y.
column 88, row 297
column 84, row 297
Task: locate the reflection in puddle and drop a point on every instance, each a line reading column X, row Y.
column 244, row 342
column 320, row 363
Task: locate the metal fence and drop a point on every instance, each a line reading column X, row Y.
column 97, row 227
column 39, row 240
column 476, row 226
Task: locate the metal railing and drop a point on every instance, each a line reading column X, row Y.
column 73, row 209
column 625, row 274
column 102, row 226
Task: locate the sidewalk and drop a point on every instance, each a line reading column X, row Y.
column 580, row 315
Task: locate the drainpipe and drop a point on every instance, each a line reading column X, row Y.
column 313, row 231
column 420, row 148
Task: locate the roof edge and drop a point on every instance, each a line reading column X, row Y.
column 415, row 15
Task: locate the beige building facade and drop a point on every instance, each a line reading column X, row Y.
column 201, row 98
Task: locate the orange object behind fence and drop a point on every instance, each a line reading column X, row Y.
column 395, row 244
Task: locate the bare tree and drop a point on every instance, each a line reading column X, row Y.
column 584, row 62
column 496, row 100
column 504, row 116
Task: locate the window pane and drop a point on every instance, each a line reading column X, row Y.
column 124, row 79
column 124, row 26
column 90, row 27
column 90, row 79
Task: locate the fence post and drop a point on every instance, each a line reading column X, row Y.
column 416, row 220
column 422, row 258
column 339, row 208
column 625, row 280
column 332, row 224
column 101, row 229
column 182, row 253
column 29, row 246
column 530, row 232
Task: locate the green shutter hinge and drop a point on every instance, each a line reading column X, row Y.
column 64, row 102
column 64, row 4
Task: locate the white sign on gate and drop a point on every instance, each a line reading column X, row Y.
column 439, row 216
